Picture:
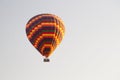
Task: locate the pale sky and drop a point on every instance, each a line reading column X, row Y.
column 90, row 49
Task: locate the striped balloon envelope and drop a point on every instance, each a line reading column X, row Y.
column 45, row 32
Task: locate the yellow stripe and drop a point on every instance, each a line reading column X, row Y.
column 47, row 45
column 45, row 35
column 45, row 24
column 43, row 15
column 33, row 20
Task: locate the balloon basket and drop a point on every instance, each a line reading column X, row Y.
column 46, row 60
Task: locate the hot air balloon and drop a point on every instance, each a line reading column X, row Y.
column 45, row 32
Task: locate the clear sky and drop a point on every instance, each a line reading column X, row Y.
column 90, row 49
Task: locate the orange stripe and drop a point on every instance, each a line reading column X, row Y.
column 44, row 24
column 45, row 35
column 33, row 20
column 38, row 17
column 47, row 45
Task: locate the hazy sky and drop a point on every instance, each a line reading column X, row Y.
column 90, row 49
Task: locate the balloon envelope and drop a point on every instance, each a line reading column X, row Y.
column 45, row 32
